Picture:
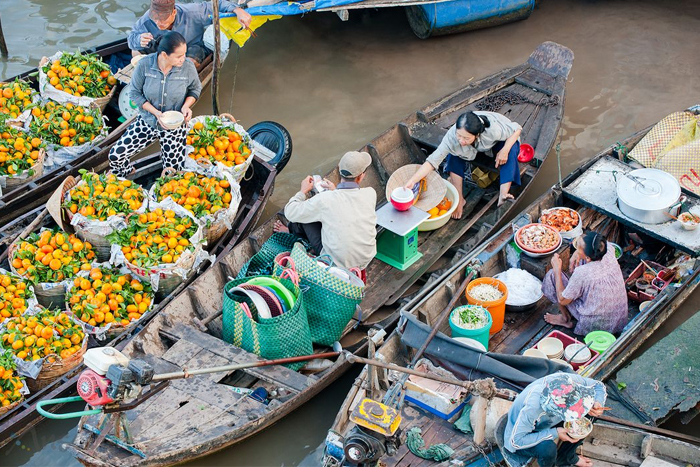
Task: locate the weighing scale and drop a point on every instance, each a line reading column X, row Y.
column 397, row 244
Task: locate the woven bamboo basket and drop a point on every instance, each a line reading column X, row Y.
column 51, row 298
column 217, row 228
column 7, row 408
column 102, row 102
column 168, row 280
column 14, row 182
column 50, row 372
column 100, row 244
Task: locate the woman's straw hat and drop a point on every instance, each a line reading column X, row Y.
column 434, row 193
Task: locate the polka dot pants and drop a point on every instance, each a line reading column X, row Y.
column 137, row 137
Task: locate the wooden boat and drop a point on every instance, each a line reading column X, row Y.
column 522, row 331
column 255, row 193
column 32, row 195
column 202, row 415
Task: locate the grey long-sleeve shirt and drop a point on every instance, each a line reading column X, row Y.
column 191, row 20
column 164, row 92
column 501, row 129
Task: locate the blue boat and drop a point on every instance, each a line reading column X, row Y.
column 425, row 18
column 437, row 19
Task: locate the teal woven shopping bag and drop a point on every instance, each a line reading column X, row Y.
column 261, row 262
column 286, row 335
column 329, row 301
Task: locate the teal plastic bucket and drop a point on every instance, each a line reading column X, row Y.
column 481, row 334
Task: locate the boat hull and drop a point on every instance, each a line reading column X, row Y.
column 452, row 17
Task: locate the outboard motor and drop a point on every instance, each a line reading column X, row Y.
column 375, row 434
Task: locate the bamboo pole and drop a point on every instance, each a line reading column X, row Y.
column 3, row 44
column 217, row 58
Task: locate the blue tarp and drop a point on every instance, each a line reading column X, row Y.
column 294, row 8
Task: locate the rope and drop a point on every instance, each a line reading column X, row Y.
column 495, row 101
column 235, row 72
column 621, row 150
column 436, row 452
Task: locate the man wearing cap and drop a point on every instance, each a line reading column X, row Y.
column 340, row 221
column 189, row 19
column 536, row 417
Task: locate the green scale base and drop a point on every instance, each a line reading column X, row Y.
column 398, row 251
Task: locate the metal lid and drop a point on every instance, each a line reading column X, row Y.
column 648, row 189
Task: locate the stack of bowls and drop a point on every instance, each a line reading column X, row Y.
column 551, row 347
column 534, row 353
column 577, row 353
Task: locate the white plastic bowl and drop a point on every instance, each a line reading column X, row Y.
column 582, row 357
column 471, row 343
column 534, row 353
column 172, row 119
column 437, row 222
column 687, row 225
column 551, row 346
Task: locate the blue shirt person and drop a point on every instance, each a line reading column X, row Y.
column 189, row 19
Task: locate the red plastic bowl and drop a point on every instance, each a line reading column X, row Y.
column 527, row 153
column 402, row 199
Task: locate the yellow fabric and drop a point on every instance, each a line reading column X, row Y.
column 235, row 31
column 673, row 145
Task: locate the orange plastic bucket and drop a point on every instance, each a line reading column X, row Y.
column 497, row 308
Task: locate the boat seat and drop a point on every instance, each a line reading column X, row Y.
column 513, row 460
column 279, row 375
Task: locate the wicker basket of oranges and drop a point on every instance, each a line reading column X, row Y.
column 52, row 337
column 16, row 295
column 98, row 205
column 81, row 79
column 16, row 101
column 221, row 142
column 47, row 259
column 12, row 387
column 161, row 247
column 108, row 299
column 212, row 200
column 21, row 158
column 69, row 131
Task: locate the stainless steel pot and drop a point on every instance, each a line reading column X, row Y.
column 648, row 195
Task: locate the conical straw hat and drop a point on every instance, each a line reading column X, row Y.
column 431, row 197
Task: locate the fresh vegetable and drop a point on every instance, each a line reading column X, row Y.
column 46, row 334
column 13, row 295
column 80, row 75
column 66, row 125
column 106, row 296
column 15, row 98
column 154, row 238
column 197, row 193
column 216, row 143
column 10, row 382
column 470, row 316
column 104, row 195
column 51, row 256
column 18, row 152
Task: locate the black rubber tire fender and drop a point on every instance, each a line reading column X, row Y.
column 276, row 138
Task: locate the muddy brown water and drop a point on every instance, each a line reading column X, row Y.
column 335, row 85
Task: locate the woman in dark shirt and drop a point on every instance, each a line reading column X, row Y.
column 161, row 82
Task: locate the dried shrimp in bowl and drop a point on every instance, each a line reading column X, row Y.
column 562, row 219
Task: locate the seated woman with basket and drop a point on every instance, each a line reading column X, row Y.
column 340, row 221
column 161, row 82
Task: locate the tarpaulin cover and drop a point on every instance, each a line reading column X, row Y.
column 673, row 145
column 516, row 369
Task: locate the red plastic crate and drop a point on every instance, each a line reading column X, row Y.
column 568, row 340
column 666, row 275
